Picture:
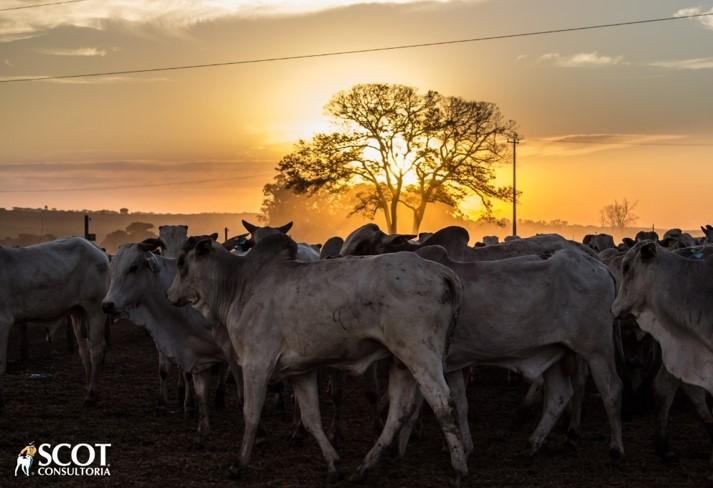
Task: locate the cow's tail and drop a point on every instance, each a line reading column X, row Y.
column 453, row 295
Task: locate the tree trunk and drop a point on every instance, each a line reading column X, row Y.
column 418, row 219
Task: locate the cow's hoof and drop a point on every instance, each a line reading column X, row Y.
column 667, row 456
column 455, row 482
column 335, row 476
column 235, row 471
column 219, row 402
column 90, row 401
column 198, row 443
column 616, row 456
column 359, row 476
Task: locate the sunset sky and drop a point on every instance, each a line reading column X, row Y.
column 606, row 114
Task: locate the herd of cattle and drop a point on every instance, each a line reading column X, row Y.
column 266, row 311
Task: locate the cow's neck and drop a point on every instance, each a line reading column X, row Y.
column 224, row 287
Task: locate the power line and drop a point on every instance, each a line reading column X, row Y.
column 124, row 187
column 22, row 7
column 354, row 51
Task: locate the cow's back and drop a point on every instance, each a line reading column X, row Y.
column 46, row 280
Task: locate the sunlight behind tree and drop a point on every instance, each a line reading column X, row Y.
column 402, row 148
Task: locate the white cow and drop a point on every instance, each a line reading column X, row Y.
column 287, row 318
column 528, row 314
column 139, row 282
column 47, row 281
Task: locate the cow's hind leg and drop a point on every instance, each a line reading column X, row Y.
column 697, row 395
column 336, row 388
column 665, row 388
column 97, row 325
column 307, row 395
column 402, row 391
column 608, row 384
column 79, row 325
column 557, row 394
column 576, row 405
column 428, row 373
column 456, row 381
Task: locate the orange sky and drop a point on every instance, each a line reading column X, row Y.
column 623, row 113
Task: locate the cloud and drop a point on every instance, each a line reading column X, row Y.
column 706, row 21
column 579, row 60
column 82, row 51
column 177, row 14
column 685, row 64
column 521, row 57
column 579, row 144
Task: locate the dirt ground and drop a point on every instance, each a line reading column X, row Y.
column 150, row 450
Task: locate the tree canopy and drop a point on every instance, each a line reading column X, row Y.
column 401, row 147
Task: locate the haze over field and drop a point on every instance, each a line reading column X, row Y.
column 624, row 112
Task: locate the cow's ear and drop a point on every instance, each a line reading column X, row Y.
column 204, row 246
column 648, row 251
column 250, row 227
column 587, row 239
column 285, row 228
column 185, row 227
column 151, row 245
column 214, row 236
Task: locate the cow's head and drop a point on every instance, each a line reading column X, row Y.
column 369, row 239
column 173, row 236
column 636, row 270
column 259, row 233
column 133, row 274
column 708, row 233
column 196, row 271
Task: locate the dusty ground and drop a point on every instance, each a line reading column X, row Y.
column 156, row 451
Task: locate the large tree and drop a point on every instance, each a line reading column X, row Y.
column 402, row 147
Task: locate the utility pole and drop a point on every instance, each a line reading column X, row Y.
column 87, row 235
column 514, row 141
column 226, row 233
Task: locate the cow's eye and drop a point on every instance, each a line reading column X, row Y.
column 181, row 261
column 625, row 268
column 133, row 268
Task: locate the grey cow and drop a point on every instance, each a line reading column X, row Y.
column 140, row 279
column 287, row 318
column 47, row 281
column 526, row 314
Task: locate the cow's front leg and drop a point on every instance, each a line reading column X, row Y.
column 255, row 378
column 306, row 392
column 201, row 383
column 164, row 369
column 189, row 407
column 665, row 387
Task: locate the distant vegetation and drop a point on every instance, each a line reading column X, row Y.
column 25, row 226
